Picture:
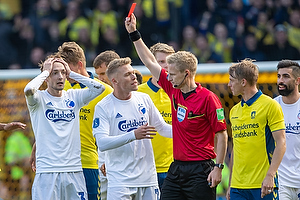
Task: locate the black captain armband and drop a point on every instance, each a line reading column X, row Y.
column 134, row 36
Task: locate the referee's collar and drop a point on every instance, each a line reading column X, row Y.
column 252, row 99
column 81, row 85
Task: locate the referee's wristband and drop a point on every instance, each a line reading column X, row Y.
column 134, row 36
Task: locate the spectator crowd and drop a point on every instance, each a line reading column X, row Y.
column 214, row 30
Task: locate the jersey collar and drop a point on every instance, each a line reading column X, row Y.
column 152, row 86
column 81, row 85
column 252, row 99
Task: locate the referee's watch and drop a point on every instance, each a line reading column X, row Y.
column 219, row 165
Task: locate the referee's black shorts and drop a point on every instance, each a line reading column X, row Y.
column 188, row 180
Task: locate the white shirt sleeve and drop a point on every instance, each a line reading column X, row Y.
column 32, row 87
column 101, row 130
column 156, row 120
column 94, row 87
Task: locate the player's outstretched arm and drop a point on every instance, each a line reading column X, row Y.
column 11, row 126
column 143, row 51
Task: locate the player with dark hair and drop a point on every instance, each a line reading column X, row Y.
column 288, row 81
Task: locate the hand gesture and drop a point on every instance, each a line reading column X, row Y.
column 144, row 132
column 47, row 65
column 67, row 67
column 130, row 23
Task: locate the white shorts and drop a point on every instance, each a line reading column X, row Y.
column 136, row 193
column 288, row 193
column 103, row 187
column 59, row 186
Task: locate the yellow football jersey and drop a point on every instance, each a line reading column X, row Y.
column 252, row 124
column 89, row 154
column 162, row 146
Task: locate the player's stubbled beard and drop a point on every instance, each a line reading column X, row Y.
column 288, row 89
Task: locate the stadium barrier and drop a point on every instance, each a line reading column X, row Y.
column 13, row 108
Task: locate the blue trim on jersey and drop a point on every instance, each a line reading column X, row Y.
column 270, row 143
column 252, row 99
column 270, row 147
column 81, row 85
column 152, row 86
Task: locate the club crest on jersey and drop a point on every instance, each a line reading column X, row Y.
column 253, row 113
column 96, row 123
column 70, row 103
column 58, row 115
column 142, row 109
column 129, row 125
column 181, row 113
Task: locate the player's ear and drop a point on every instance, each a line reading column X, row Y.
column 243, row 82
column 114, row 81
column 80, row 66
column 298, row 81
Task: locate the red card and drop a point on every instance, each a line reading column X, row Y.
column 131, row 9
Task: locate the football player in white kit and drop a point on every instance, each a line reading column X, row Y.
column 54, row 116
column 124, row 122
column 288, row 81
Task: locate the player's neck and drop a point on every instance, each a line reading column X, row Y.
column 249, row 93
column 84, row 73
column 154, row 82
column 122, row 95
column 55, row 93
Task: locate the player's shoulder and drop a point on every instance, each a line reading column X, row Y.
column 236, row 107
column 142, row 97
column 140, row 94
column 278, row 98
column 268, row 104
column 203, row 91
column 207, row 94
column 143, row 87
column 267, row 99
column 106, row 100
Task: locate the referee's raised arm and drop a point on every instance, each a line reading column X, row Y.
column 143, row 51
